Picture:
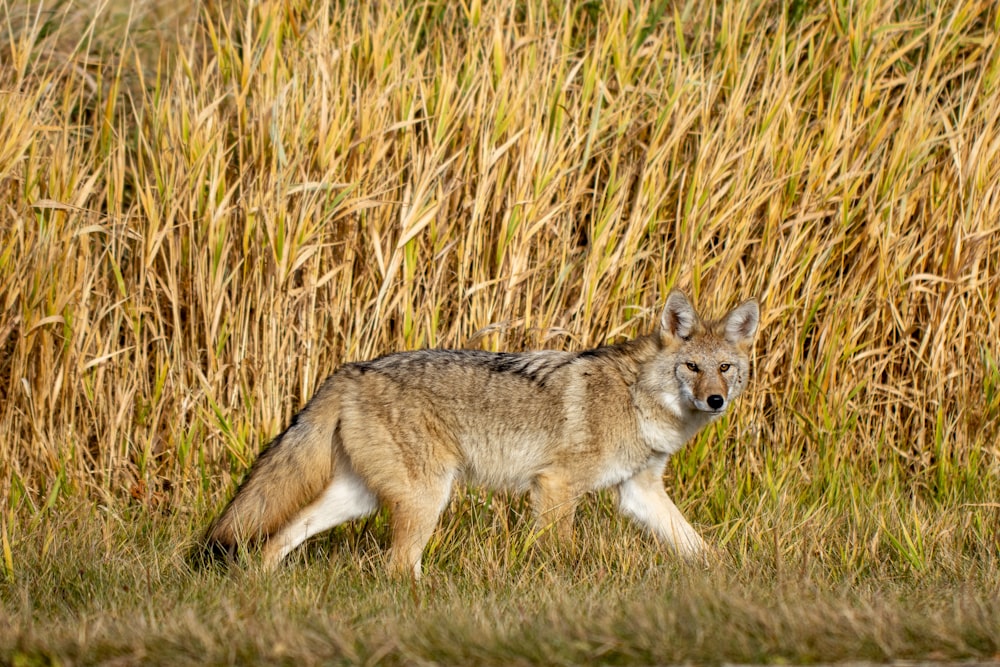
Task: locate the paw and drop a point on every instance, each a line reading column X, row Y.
column 690, row 546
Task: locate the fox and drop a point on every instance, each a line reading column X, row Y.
column 400, row 431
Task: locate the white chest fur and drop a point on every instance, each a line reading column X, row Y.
column 662, row 436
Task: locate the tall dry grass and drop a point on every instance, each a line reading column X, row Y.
column 207, row 208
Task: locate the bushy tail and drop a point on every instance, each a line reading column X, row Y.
column 289, row 474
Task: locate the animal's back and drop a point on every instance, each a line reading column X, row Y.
column 497, row 415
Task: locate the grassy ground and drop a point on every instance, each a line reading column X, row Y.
column 118, row 588
column 205, row 207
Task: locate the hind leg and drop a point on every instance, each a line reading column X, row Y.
column 346, row 498
column 407, row 456
column 414, row 517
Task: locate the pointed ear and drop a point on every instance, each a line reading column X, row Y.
column 741, row 322
column 678, row 319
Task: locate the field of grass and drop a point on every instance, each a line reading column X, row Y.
column 205, row 207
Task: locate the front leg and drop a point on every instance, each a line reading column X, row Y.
column 554, row 499
column 643, row 498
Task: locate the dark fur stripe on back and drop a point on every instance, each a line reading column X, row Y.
column 534, row 368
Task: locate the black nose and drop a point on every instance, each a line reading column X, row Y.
column 715, row 401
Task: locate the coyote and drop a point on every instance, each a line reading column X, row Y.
column 400, row 430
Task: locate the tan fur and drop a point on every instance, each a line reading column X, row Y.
column 287, row 475
column 400, row 430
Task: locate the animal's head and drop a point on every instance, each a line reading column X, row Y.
column 705, row 364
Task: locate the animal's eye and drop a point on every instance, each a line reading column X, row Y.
column 723, row 367
column 692, row 366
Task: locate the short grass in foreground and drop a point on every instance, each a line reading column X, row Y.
column 105, row 585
